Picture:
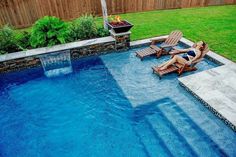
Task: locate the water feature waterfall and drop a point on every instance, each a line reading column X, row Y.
column 104, row 13
column 55, row 64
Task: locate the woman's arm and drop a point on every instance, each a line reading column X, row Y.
column 182, row 50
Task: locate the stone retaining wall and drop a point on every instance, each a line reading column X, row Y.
column 29, row 59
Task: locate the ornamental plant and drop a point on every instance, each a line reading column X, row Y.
column 23, row 40
column 101, row 32
column 7, row 40
column 49, row 31
column 83, row 28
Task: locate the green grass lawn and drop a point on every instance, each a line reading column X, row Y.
column 215, row 25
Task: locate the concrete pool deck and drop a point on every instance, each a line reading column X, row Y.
column 216, row 87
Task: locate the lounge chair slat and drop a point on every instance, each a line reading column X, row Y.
column 170, row 69
column 169, row 42
column 176, row 37
column 146, row 52
column 169, row 37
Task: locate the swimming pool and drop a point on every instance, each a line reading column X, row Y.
column 111, row 105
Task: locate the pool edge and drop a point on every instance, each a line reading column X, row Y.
column 214, row 111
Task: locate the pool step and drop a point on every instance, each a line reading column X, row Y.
column 176, row 143
column 153, row 145
column 190, row 131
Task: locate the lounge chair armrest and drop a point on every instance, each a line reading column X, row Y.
column 166, row 46
column 158, row 39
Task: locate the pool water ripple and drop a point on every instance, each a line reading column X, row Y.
column 104, row 108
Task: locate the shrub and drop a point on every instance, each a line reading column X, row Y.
column 83, row 28
column 7, row 40
column 74, row 31
column 23, row 40
column 49, row 31
column 102, row 32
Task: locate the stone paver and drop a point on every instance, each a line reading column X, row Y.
column 217, row 88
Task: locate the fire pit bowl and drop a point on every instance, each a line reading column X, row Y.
column 120, row 27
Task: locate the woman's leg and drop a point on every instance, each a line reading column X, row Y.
column 175, row 59
column 166, row 63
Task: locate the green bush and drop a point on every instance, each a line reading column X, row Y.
column 83, row 28
column 74, row 31
column 102, row 32
column 7, row 40
column 49, row 31
column 23, row 40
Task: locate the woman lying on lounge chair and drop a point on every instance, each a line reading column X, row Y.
column 191, row 55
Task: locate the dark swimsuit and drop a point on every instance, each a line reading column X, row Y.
column 189, row 53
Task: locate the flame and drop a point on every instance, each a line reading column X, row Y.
column 118, row 18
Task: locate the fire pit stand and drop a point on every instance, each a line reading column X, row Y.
column 122, row 40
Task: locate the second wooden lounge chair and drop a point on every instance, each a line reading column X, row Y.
column 169, row 42
column 179, row 68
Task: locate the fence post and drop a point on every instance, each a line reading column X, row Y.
column 104, row 13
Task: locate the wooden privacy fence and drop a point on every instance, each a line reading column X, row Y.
column 23, row 13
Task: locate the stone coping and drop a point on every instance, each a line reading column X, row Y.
column 45, row 50
column 216, row 88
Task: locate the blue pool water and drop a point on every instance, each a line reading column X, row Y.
column 111, row 105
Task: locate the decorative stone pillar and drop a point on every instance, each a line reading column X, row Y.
column 122, row 40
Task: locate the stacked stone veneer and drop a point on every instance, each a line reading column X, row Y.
column 18, row 64
column 96, row 49
column 122, row 40
column 28, row 59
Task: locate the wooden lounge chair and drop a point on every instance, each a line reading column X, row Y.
column 169, row 42
column 179, row 68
